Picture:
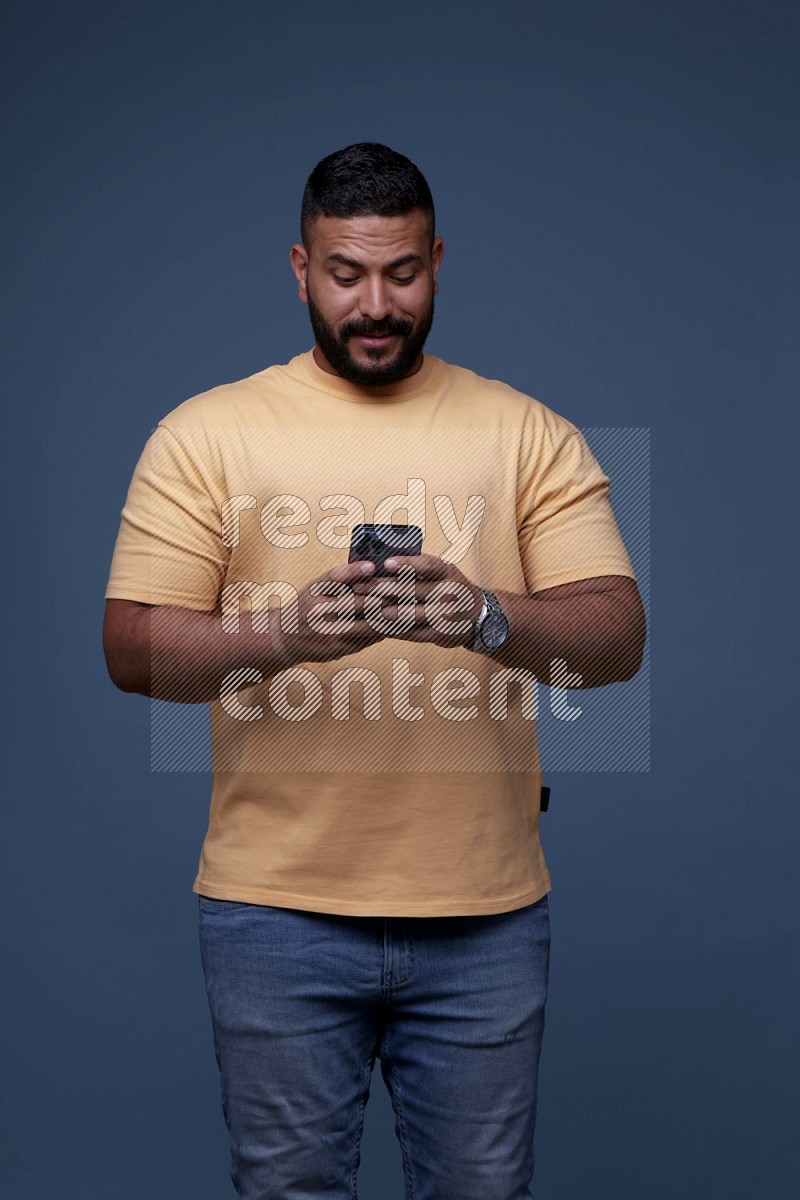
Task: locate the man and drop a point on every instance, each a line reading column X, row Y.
column 372, row 882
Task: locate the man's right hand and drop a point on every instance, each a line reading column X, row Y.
column 182, row 654
column 327, row 621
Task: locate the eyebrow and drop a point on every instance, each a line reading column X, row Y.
column 405, row 260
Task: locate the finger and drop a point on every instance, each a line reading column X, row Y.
column 348, row 572
column 338, row 616
column 393, row 612
column 423, row 588
column 440, row 602
column 427, row 566
column 418, row 633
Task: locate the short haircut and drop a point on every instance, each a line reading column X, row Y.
column 363, row 180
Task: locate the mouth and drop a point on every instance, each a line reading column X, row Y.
column 374, row 342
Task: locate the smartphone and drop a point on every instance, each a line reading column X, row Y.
column 376, row 543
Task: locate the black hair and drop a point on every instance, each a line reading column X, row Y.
column 365, row 179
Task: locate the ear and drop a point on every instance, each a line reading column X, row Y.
column 298, row 257
column 437, row 252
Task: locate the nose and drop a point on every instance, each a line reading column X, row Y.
column 374, row 299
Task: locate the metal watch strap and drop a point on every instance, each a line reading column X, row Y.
column 490, row 603
column 475, row 642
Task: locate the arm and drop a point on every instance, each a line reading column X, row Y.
column 181, row 654
column 596, row 626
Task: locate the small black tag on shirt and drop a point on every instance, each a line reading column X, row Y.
column 544, row 802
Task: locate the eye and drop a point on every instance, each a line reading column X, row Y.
column 403, row 278
column 346, row 281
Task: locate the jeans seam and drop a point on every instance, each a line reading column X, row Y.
column 362, row 1104
column 222, row 906
column 412, row 963
column 401, row 1122
column 389, row 982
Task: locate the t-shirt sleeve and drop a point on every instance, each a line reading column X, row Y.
column 169, row 548
column 567, row 529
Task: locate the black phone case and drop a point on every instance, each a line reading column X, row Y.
column 376, row 543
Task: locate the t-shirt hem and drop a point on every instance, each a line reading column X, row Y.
column 382, row 908
column 573, row 575
column 173, row 599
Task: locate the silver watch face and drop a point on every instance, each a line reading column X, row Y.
column 494, row 630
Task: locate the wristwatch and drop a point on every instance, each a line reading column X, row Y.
column 491, row 627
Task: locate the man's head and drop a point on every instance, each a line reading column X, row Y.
column 368, row 263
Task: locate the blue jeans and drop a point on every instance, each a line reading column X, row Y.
column 303, row 1002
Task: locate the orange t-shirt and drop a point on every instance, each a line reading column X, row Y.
column 403, row 780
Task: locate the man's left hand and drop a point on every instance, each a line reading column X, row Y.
column 426, row 600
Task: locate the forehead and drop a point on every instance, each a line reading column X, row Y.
column 371, row 239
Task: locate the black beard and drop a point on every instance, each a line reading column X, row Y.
column 334, row 346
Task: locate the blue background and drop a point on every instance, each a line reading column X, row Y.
column 616, row 185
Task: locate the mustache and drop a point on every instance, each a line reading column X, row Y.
column 373, row 329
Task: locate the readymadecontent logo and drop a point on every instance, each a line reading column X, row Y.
column 447, row 686
column 289, row 721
